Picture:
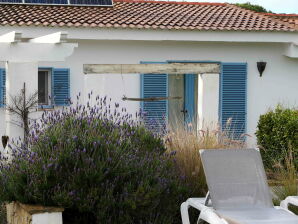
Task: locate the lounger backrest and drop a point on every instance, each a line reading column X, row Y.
column 236, row 178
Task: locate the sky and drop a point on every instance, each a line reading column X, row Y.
column 276, row 6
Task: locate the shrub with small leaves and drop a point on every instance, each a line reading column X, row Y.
column 99, row 163
column 277, row 133
column 253, row 7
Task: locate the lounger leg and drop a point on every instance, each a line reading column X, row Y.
column 207, row 199
column 200, row 221
column 289, row 200
column 184, row 213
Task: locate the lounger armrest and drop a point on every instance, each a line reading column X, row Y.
column 289, row 200
column 197, row 203
column 206, row 213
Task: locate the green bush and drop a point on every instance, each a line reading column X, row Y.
column 253, row 7
column 99, row 164
column 277, row 133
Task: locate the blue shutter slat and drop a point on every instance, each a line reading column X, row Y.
column 233, row 98
column 60, row 88
column 155, row 113
column 2, row 87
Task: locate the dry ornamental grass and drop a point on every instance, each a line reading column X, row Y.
column 186, row 142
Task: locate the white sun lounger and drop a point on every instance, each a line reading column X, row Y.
column 239, row 191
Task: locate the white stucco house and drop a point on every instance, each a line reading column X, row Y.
column 47, row 46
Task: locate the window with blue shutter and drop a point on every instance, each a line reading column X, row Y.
column 155, row 112
column 2, row 87
column 233, row 99
column 60, row 86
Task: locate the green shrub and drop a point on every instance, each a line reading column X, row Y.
column 277, row 133
column 99, row 164
column 253, row 7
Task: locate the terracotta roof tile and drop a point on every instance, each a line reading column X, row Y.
column 288, row 19
column 143, row 15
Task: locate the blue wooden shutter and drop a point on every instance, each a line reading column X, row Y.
column 2, row 87
column 233, row 99
column 189, row 97
column 155, row 112
column 60, row 86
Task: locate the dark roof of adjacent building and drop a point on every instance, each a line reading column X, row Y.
column 143, row 15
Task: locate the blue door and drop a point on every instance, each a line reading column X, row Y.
column 189, row 98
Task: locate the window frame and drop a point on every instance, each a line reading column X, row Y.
column 49, row 74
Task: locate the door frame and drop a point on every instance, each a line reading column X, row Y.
column 187, row 61
column 220, row 77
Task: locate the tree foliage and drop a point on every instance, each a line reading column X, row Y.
column 253, row 7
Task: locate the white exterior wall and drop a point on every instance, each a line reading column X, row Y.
column 47, row 218
column 278, row 84
column 208, row 101
column 16, row 75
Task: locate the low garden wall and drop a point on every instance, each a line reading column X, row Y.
column 18, row 213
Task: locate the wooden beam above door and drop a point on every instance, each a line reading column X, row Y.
column 172, row 68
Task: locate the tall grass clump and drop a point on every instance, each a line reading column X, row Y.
column 286, row 181
column 99, row 163
column 186, row 142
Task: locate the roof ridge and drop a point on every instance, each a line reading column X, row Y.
column 280, row 14
column 172, row 2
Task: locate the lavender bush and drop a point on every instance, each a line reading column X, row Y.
column 99, row 163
